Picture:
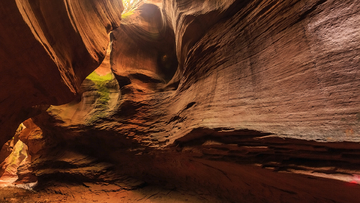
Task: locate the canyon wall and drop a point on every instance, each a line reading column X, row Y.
column 47, row 49
column 211, row 96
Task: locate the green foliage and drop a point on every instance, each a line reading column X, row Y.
column 100, row 84
column 101, row 104
column 127, row 14
column 104, row 95
column 129, row 7
column 96, row 78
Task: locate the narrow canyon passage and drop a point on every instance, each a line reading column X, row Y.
column 180, row 101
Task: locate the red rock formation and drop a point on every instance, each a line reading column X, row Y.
column 280, row 68
column 48, row 48
column 214, row 95
column 27, row 142
column 251, row 69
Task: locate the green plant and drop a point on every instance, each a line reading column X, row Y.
column 129, row 7
column 97, row 78
column 102, row 101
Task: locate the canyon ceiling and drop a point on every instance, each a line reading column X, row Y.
column 233, row 97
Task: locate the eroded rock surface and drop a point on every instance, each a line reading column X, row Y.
column 20, row 152
column 47, row 49
column 250, row 101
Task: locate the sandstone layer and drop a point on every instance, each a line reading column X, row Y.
column 47, row 49
column 250, row 101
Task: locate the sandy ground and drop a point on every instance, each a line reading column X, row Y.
column 104, row 193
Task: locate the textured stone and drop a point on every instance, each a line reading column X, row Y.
column 250, row 101
column 23, row 148
column 47, row 49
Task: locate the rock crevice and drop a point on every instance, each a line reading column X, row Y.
column 251, row 101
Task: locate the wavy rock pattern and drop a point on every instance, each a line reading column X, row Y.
column 48, row 48
column 251, row 101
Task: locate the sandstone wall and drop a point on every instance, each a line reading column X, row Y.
column 210, row 91
column 47, row 49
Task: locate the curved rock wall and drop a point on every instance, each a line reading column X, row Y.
column 144, row 47
column 27, row 142
column 288, row 68
column 47, row 49
column 275, row 67
column 212, row 90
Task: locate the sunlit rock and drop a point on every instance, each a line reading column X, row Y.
column 235, row 101
column 48, row 48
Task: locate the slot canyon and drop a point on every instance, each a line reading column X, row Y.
column 171, row 101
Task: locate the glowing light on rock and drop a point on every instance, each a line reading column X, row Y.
column 130, row 5
column 355, row 179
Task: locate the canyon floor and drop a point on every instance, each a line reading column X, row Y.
column 101, row 192
column 254, row 184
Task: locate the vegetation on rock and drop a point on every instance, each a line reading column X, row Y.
column 101, row 84
column 129, row 7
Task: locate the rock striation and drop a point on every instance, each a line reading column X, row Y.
column 47, row 50
column 251, row 101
